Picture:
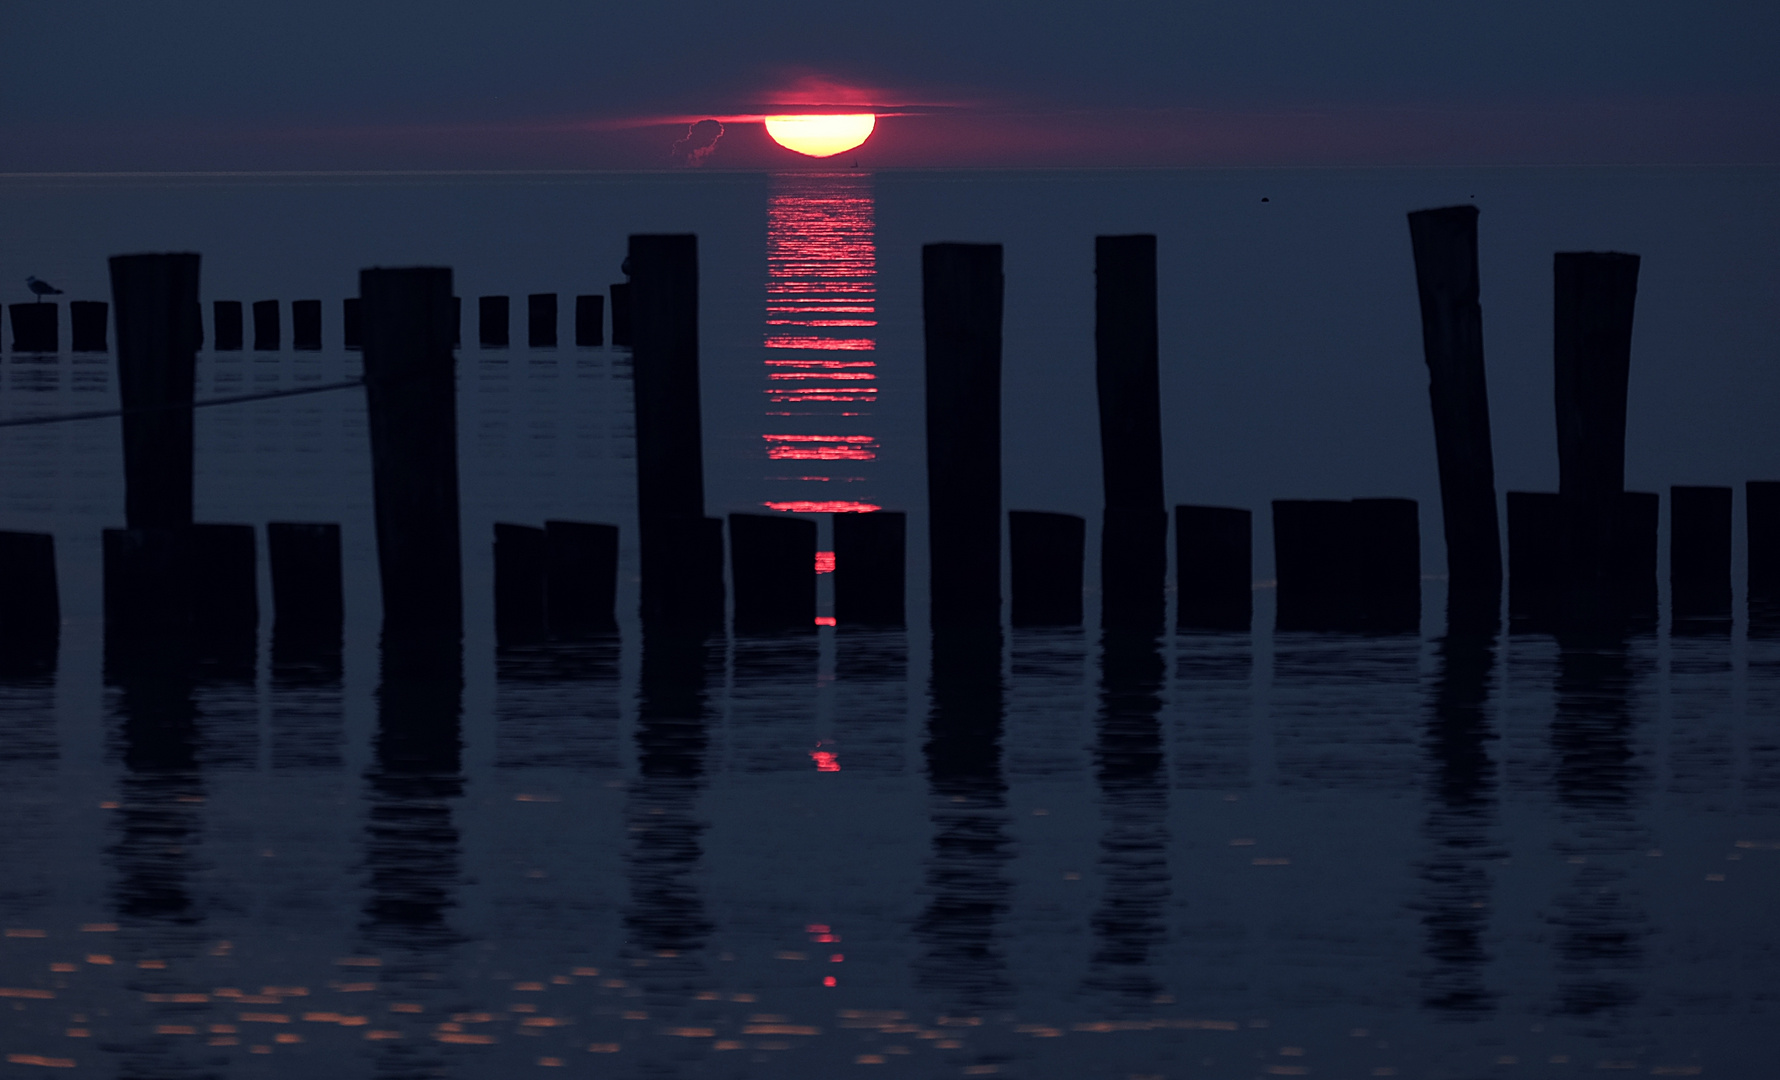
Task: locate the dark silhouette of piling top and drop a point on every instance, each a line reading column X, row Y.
column 155, row 301
column 266, row 334
column 1125, row 371
column 87, row 324
column 228, row 325
column 1045, row 556
column 1594, row 296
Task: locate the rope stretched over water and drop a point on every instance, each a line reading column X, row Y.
column 237, row 399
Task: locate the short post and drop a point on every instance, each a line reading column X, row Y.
column 1387, row 552
column 308, row 598
column 621, row 314
column 961, row 297
column 1134, row 536
column 1045, row 556
column 581, row 578
column 226, row 314
column 352, row 323
column 772, row 561
column 156, row 300
column 147, row 578
column 30, row 603
column 590, row 321
column 457, row 322
column 225, row 596
column 35, row 328
column 87, row 321
column 491, row 317
column 1535, row 559
column 305, row 325
column 1762, row 525
column 1633, row 582
column 682, row 571
column 411, row 406
column 1214, row 567
column 266, row 334
column 1314, row 564
column 870, row 564
column 519, row 575
column 1700, row 556
column 540, row 320
column 1445, row 246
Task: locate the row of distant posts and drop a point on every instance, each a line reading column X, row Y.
column 36, row 327
column 1581, row 558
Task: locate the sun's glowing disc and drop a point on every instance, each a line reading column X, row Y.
column 821, row 136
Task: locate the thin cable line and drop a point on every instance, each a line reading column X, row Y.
column 236, row 399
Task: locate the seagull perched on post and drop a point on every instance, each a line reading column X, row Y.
column 42, row 288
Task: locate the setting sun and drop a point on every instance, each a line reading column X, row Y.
column 821, row 136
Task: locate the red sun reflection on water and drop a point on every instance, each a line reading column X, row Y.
column 821, row 300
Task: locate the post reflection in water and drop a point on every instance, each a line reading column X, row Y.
column 968, row 890
column 1130, row 921
column 820, row 338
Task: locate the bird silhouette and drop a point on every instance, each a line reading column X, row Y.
column 41, row 287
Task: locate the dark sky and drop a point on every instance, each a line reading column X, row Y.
column 111, row 84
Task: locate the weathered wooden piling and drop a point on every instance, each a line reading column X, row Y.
column 961, row 308
column 1134, row 535
column 267, row 336
column 1314, row 565
column 229, row 326
column 225, row 596
column 305, row 325
column 30, row 603
column 457, row 322
column 155, row 298
column 308, row 596
column 772, row 560
column 1593, row 301
column 1214, row 567
column 540, row 320
column 491, row 322
column 1535, row 559
column 682, row 570
column 1700, row 555
column 147, row 574
column 1445, row 246
column 1045, row 557
column 87, row 325
column 1387, row 554
column 621, row 314
column 581, row 578
column 1762, row 530
column 352, row 323
column 520, row 570
column 870, row 561
column 1632, row 588
column 590, row 321
column 411, row 407
column 35, row 327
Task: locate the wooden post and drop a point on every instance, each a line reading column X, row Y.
column 1315, row 566
column 1045, row 556
column 961, row 308
column 772, row 560
column 679, row 564
column 225, row 597
column 869, row 568
column 590, row 321
column 1632, row 596
column 305, row 325
column 1700, row 555
column 491, row 314
column 457, row 322
column 1134, row 535
column 147, row 578
column 1445, row 246
column 352, row 324
column 411, row 407
column 621, row 314
column 1594, row 296
column 519, row 575
column 1387, row 552
column 87, row 321
column 1214, row 567
column 229, row 325
column 30, row 603
column 1762, row 522
column 35, row 328
column 308, row 600
column 540, row 320
column 1535, row 559
column 266, row 335
column 581, row 578
column 156, row 300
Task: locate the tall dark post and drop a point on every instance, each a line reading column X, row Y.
column 1762, row 522
column 1134, row 536
column 1700, row 554
column 229, row 326
column 411, row 405
column 590, row 320
column 156, row 300
column 519, row 574
column 772, row 558
column 1445, row 245
column 679, row 563
column 308, row 600
column 621, row 314
column 1045, row 555
column 869, row 568
column 87, row 321
column 1214, row 567
column 581, row 578
column 491, row 314
column 305, row 325
column 961, row 306
column 30, row 604
column 1594, row 295
column 540, row 320
column 266, row 337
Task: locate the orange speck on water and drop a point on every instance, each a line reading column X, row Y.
column 287, row 1037
column 830, row 980
column 223, row 1040
column 354, row 987
column 406, row 1007
column 464, row 1038
column 692, row 1032
column 261, row 1049
column 25, row 992
column 375, row 1035
column 223, row 1029
column 78, row 1033
column 869, row 1059
column 17, row 931
column 175, row 1029
column 550, row 1062
column 836, row 958
column 152, row 965
column 108, row 804
column 528, row 986
column 98, row 928
column 359, row 961
column 602, row 1048
column 562, row 980
column 263, row 1018
column 585, row 972
column 62, row 966
column 39, row 1059
column 98, row 958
